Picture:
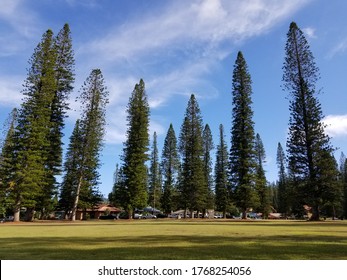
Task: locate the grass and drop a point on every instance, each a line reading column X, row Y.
column 174, row 239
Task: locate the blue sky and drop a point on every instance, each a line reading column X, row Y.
column 182, row 47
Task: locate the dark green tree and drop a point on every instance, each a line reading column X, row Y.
column 33, row 131
column 282, row 184
column 242, row 154
column 154, row 188
column 64, row 75
column 170, row 168
column 7, row 156
column 222, row 186
column 91, row 127
column 208, row 146
column 310, row 154
column 193, row 185
column 261, row 183
column 135, row 150
column 72, row 164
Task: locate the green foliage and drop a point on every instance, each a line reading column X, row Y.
column 136, row 148
column 170, row 167
column 222, row 187
column 283, row 191
column 193, row 185
column 7, row 164
column 82, row 162
column 310, row 154
column 242, row 154
column 261, row 183
column 154, row 188
column 207, row 148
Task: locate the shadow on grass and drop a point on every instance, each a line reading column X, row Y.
column 166, row 247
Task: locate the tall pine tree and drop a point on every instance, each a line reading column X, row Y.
column 282, row 185
column 193, row 185
column 135, row 150
column 261, row 183
column 208, row 147
column 170, row 167
column 222, row 186
column 64, row 75
column 242, row 154
column 310, row 153
column 32, row 188
column 154, row 188
column 7, row 156
column 91, row 130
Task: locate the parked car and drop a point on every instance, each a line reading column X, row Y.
column 148, row 216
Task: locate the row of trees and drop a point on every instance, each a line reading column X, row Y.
column 308, row 175
column 31, row 154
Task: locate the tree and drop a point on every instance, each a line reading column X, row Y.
column 283, row 191
column 193, row 184
column 242, row 154
column 222, row 187
column 33, row 131
column 261, row 184
column 310, row 154
column 7, row 155
column 64, row 76
column 170, row 167
column 207, row 148
column 72, row 165
column 135, row 150
column 91, row 128
column 154, row 192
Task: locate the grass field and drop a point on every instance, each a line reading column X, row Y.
column 174, row 239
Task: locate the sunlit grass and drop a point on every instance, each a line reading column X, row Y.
column 174, row 239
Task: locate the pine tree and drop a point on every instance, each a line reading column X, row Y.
column 242, row 154
column 7, row 155
column 310, row 153
column 64, row 76
column 193, row 185
column 91, row 128
column 72, row 165
column 283, row 191
column 33, row 131
column 208, row 146
column 135, row 150
column 170, row 168
column 154, row 192
column 261, row 183
column 222, row 187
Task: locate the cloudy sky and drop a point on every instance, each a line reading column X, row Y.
column 182, row 47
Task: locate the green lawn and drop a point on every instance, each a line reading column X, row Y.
column 174, row 239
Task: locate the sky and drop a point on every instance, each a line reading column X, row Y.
column 179, row 48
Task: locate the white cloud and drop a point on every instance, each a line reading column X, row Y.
column 310, row 32
column 338, row 49
column 180, row 43
column 192, row 24
column 336, row 125
column 10, row 93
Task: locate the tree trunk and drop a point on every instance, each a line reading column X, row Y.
column 16, row 210
column 315, row 213
column 74, row 208
column 244, row 214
